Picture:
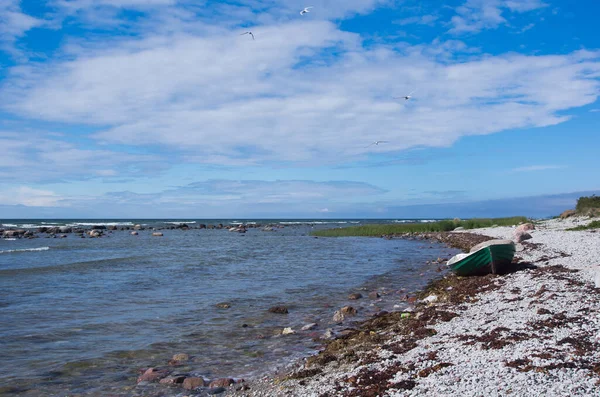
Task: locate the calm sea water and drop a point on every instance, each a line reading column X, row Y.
column 82, row 316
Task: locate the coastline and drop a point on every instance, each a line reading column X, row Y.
column 534, row 331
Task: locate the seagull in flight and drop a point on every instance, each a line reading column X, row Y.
column 406, row 97
column 250, row 33
column 305, row 10
column 376, row 143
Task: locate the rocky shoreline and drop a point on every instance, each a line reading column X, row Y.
column 532, row 332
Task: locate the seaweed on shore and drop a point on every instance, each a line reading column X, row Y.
column 496, row 338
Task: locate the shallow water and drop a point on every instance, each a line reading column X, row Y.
column 84, row 315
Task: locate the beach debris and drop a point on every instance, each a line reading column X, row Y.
column 405, row 315
column 430, row 299
column 278, row 310
column 288, row 331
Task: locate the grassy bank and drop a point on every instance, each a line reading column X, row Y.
column 376, row 230
column 591, row 225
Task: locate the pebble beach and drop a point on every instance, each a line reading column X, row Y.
column 532, row 332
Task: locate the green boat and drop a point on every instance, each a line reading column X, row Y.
column 491, row 256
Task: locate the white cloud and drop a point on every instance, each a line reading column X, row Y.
column 24, row 195
column 537, row 168
column 225, row 99
column 476, row 15
column 418, row 20
column 39, row 157
column 13, row 22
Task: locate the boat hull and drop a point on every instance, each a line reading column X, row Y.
column 493, row 258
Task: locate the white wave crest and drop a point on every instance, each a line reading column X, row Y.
column 25, row 250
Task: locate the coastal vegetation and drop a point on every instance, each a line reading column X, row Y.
column 591, row 225
column 589, row 205
column 376, row 230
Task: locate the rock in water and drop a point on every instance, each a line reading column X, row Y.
column 278, row 310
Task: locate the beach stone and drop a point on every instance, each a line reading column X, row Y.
column 355, row 296
column 65, row 229
column 278, row 310
column 374, row 295
column 172, row 380
column 152, row 375
column 216, row 390
column 192, row 383
column 525, row 227
column 134, row 233
column 431, row 299
column 222, row 382
column 223, row 305
column 287, row 331
column 181, row 357
column 521, row 236
column 309, row 326
column 346, row 311
column 157, row 234
column 98, row 227
column 138, row 227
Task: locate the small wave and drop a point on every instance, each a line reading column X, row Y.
column 101, row 224
column 180, row 223
column 10, row 239
column 9, row 225
column 25, row 250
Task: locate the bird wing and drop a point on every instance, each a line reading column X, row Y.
column 370, row 145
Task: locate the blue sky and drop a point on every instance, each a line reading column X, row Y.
column 161, row 108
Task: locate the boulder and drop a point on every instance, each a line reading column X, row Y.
column 192, row 383
column 98, row 227
column 138, row 227
column 346, row 311
column 287, row 331
column 223, row 305
column 278, row 310
column 355, row 296
column 222, row 382
column 152, row 375
column 521, row 236
column 157, row 234
column 172, row 380
column 374, row 295
column 525, row 227
column 65, row 229
column 181, row 357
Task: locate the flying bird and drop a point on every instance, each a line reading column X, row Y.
column 406, row 97
column 376, row 143
column 250, row 33
column 305, row 10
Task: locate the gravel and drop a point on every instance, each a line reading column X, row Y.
column 537, row 333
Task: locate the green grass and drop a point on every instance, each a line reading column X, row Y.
column 591, row 225
column 376, row 230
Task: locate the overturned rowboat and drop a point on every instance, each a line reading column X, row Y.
column 491, row 256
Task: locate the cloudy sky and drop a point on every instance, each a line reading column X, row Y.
column 163, row 108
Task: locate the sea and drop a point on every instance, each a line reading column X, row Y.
column 85, row 316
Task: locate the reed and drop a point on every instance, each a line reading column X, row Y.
column 376, row 230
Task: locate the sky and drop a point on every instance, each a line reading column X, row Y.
column 166, row 109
